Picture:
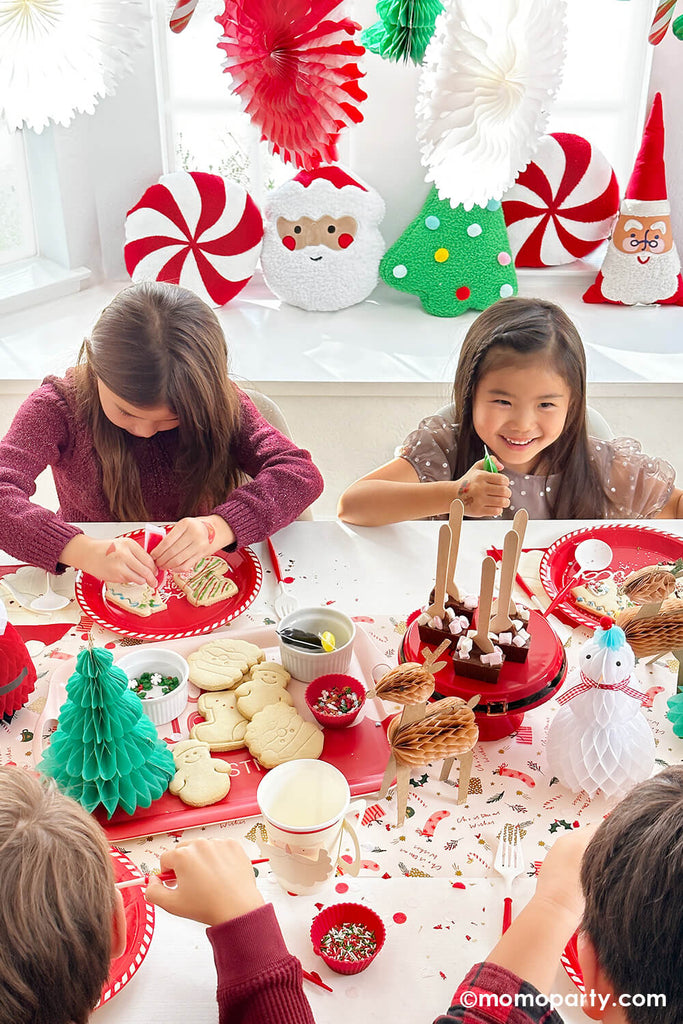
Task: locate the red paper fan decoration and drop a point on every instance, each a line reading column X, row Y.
column 17, row 671
column 293, row 72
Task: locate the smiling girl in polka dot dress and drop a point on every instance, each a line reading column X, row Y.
column 520, row 389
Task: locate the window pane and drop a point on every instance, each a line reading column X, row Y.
column 17, row 238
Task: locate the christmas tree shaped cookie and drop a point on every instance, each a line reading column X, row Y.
column 453, row 259
column 105, row 749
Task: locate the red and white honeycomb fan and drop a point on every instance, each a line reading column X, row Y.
column 195, row 229
column 562, row 205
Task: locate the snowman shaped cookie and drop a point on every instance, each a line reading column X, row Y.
column 199, row 779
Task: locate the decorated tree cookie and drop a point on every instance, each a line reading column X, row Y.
column 452, row 259
column 563, row 204
column 403, row 30
column 641, row 265
column 17, row 671
column 105, row 750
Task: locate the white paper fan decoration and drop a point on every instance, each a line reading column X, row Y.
column 57, row 57
column 490, row 74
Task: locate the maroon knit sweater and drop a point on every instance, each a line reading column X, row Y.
column 259, row 981
column 47, row 431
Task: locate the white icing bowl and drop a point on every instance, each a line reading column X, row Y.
column 166, row 706
column 308, row 665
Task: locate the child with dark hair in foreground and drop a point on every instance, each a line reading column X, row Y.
column 622, row 886
column 62, row 919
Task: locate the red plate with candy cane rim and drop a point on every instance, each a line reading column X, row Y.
column 139, row 928
column 633, row 547
column 570, row 962
column 180, row 618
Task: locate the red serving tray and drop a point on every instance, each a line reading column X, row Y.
column 360, row 751
column 634, row 546
column 139, row 929
column 180, row 618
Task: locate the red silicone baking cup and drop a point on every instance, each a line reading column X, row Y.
column 346, row 913
column 328, row 682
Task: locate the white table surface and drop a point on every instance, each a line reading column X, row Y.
column 385, row 571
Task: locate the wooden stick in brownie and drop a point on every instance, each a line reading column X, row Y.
column 510, row 634
column 455, row 517
column 519, row 524
column 476, row 656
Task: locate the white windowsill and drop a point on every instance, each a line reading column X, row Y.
column 36, row 280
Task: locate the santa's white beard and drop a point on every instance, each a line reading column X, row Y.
column 628, row 281
column 341, row 278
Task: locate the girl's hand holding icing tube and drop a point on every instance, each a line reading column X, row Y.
column 214, row 882
column 121, row 560
column 191, row 539
column 483, row 493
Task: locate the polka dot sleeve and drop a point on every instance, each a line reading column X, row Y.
column 431, row 448
column 638, row 484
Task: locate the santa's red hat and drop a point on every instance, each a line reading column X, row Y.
column 327, row 191
column 646, row 191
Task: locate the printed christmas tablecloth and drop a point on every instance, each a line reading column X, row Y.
column 510, row 780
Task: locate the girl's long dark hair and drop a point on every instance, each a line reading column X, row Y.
column 525, row 326
column 159, row 344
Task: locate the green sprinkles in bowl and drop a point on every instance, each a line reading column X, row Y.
column 349, row 942
column 338, row 700
column 153, row 684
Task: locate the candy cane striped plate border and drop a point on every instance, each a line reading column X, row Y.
column 141, row 939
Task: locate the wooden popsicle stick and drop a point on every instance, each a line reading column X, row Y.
column 488, row 576
column 455, row 517
column 519, row 524
column 501, row 621
column 438, row 606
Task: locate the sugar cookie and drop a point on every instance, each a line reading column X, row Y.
column 265, row 685
column 278, row 733
column 199, row 779
column 601, row 598
column 224, row 727
column 222, row 664
column 136, row 598
column 207, row 583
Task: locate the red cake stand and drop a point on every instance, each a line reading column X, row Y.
column 520, row 686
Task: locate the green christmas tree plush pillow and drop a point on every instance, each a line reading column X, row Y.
column 453, row 259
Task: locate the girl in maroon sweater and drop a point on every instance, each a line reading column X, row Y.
column 148, row 426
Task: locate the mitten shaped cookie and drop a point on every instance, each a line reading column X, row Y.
column 222, row 664
column 224, row 727
column 199, row 779
column 278, row 734
column 265, row 685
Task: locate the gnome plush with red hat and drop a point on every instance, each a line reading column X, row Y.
column 322, row 244
column 17, row 671
column 641, row 264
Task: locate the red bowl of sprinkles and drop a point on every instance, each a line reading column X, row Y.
column 335, row 700
column 347, row 936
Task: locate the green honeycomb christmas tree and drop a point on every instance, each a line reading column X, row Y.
column 105, row 750
column 453, row 259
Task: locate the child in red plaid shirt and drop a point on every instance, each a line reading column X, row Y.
column 622, row 887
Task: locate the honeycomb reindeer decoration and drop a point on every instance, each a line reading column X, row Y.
column 656, row 626
column 422, row 733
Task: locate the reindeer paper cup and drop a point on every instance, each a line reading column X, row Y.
column 307, row 665
column 304, row 804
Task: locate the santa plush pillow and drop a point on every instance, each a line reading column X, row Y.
column 322, row 244
column 641, row 264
